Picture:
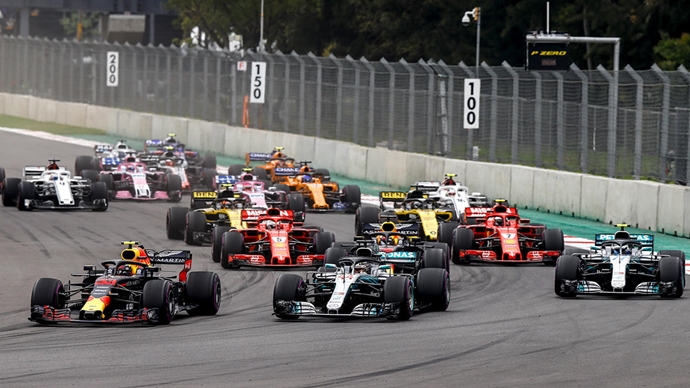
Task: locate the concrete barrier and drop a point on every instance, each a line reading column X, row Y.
column 161, row 126
column 96, row 117
column 522, row 186
column 492, row 179
column 46, row 110
column 18, row 105
column 593, row 197
column 296, row 146
column 233, row 144
column 355, row 161
column 415, row 167
column 672, row 209
column 622, row 207
column 72, row 113
column 557, row 191
column 459, row 168
column 435, row 168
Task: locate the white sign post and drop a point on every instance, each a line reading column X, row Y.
column 471, row 111
column 258, row 82
column 112, row 71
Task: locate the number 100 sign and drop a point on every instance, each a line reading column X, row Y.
column 471, row 107
column 112, row 70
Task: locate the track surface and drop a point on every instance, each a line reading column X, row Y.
column 504, row 327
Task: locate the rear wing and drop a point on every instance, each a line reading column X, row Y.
column 174, row 257
column 34, row 171
column 257, row 157
column 202, row 199
column 286, row 171
column 425, row 186
column 154, row 143
column 110, row 161
column 225, row 179
column 392, row 196
column 100, row 149
column 646, row 240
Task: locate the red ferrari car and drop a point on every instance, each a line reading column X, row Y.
column 275, row 241
column 501, row 236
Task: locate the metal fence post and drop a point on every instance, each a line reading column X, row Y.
column 686, row 75
column 286, row 92
column 639, row 107
column 319, row 83
column 372, row 91
column 355, row 110
column 611, row 139
column 302, row 79
column 430, row 106
column 665, row 104
column 391, row 102
column 560, row 127
column 514, row 113
column 449, row 101
column 584, row 117
column 537, row 120
column 204, row 85
column 410, row 105
column 339, row 98
column 271, row 75
column 493, row 131
column 219, row 65
column 192, row 83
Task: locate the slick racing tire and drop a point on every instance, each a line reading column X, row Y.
column 174, row 189
column 445, row 232
column 175, row 222
column 158, row 294
column 366, row 215
column 217, row 242
column 671, row 269
column 209, row 161
column 288, row 287
column 552, row 240
column 99, row 191
column 2, row 174
column 442, row 246
column 195, row 222
column 83, row 162
column 90, row 175
column 296, row 204
column 207, row 178
column 352, row 194
column 333, row 255
column 27, row 191
column 109, row 184
column 282, row 187
column 203, row 289
column 260, row 173
column 398, row 289
column 434, row 258
column 323, row 241
column 233, row 243
column 462, row 240
column 567, row 268
column 326, row 175
column 48, row 292
column 319, row 228
column 433, row 287
column 10, row 191
column 236, row 169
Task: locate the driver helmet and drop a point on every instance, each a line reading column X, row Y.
column 498, row 221
column 130, row 168
column 451, row 193
column 169, row 163
column 362, row 267
column 270, row 224
column 247, row 188
column 125, row 270
column 171, row 139
column 306, row 178
column 52, row 166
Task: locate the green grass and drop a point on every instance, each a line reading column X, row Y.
column 59, row 129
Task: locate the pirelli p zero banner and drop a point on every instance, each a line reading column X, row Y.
column 548, row 56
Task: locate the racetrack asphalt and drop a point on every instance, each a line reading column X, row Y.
column 504, row 326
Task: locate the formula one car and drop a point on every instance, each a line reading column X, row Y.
column 264, row 172
column 53, row 187
column 133, row 180
column 503, row 237
column 413, row 213
column 106, row 157
column 621, row 264
column 128, row 290
column 319, row 194
column 193, row 158
column 361, row 286
column 172, row 161
column 275, row 241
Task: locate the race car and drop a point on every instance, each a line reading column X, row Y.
column 275, row 241
column 106, row 157
column 171, row 144
column 53, row 187
column 131, row 289
column 266, row 171
column 621, row 263
column 132, row 179
column 414, row 214
column 320, row 194
column 501, row 236
column 361, row 286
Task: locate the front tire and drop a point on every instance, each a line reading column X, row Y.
column 366, row 215
column 27, row 191
column 175, row 222
column 196, row 222
column 567, row 269
column 158, row 294
column 462, row 240
column 288, row 287
column 174, row 189
column 10, row 191
column 398, row 290
column 217, row 242
column 233, row 244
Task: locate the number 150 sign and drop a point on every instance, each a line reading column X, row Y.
column 473, row 87
column 258, row 82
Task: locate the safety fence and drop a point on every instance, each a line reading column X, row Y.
column 629, row 124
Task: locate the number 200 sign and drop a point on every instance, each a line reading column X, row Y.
column 471, row 113
column 258, row 82
column 112, row 72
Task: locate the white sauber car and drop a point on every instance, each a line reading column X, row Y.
column 53, row 187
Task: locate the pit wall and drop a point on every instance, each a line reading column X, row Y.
column 647, row 205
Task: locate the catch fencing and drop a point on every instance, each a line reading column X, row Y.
column 634, row 124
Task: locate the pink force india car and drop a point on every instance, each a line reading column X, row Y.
column 134, row 180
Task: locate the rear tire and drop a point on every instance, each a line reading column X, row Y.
column 288, row 287
column 445, row 232
column 567, row 268
column 175, row 222
column 91, row 175
column 333, row 255
column 434, row 258
column 83, row 162
column 208, row 178
column 174, row 189
column 433, row 286
column 10, row 191
column 203, row 288
column 236, row 169
column 462, row 240
column 158, row 294
column 99, row 191
column 282, row 187
column 109, row 184
column 195, row 222
column 366, row 215
column 398, row 289
column 217, row 242
column 209, row 161
column 261, row 173
column 233, row 243
column 323, row 172
column 352, row 194
column 323, row 241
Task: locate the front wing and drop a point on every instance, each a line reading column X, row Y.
column 247, row 260
column 364, row 310
column 487, row 255
column 47, row 314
